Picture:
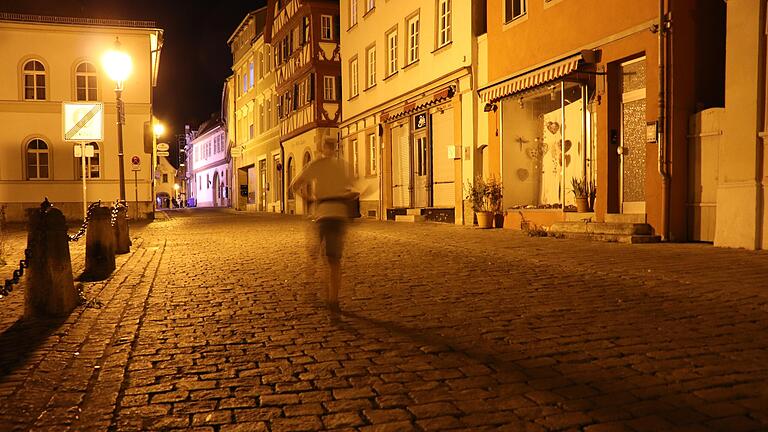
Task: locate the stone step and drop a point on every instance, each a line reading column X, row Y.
column 410, row 218
column 606, row 231
column 625, row 218
column 414, row 211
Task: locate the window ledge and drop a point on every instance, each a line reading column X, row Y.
column 370, row 176
column 443, row 47
column 515, row 21
column 390, row 75
column 353, row 97
column 369, row 87
column 368, row 12
column 349, row 29
column 411, row 64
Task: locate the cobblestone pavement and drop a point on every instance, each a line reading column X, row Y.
column 211, row 323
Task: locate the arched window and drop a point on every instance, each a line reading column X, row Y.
column 85, row 82
column 37, row 160
column 34, row 80
column 307, row 159
column 92, row 164
column 290, row 173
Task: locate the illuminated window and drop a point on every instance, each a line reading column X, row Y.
column 514, row 9
column 353, row 81
column 85, row 82
column 370, row 74
column 37, row 160
column 352, row 12
column 92, row 166
column 369, row 5
column 34, row 80
column 372, row 154
column 250, row 67
column 329, row 88
column 305, row 26
column 444, row 22
column 391, row 52
column 326, row 27
column 413, row 39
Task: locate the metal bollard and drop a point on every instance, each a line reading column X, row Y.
column 122, row 237
column 50, row 289
column 99, row 246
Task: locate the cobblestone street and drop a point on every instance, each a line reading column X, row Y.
column 213, row 322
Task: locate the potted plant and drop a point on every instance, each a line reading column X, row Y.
column 495, row 192
column 477, row 194
column 581, row 194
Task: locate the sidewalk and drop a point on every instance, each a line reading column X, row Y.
column 212, row 323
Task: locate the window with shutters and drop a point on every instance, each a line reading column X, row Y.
column 34, row 80
column 326, row 27
column 329, row 88
column 85, row 82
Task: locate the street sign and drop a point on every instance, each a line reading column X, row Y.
column 83, row 121
column 135, row 163
column 163, row 147
column 162, row 153
column 89, row 152
column 236, row 151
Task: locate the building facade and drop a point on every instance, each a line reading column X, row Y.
column 49, row 60
column 252, row 118
column 606, row 98
column 165, row 178
column 409, row 104
column 209, row 169
column 304, row 36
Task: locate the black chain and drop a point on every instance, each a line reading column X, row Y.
column 116, row 209
column 17, row 274
column 81, row 232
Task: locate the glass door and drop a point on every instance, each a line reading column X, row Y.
column 632, row 147
column 421, row 170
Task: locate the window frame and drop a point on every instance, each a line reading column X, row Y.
column 412, row 47
column 508, row 16
column 329, row 19
column 35, row 74
column 87, row 88
column 352, row 13
column 355, row 159
column 354, row 75
column 372, row 150
column 392, row 63
column 332, row 80
column 37, row 152
column 444, row 23
column 370, row 67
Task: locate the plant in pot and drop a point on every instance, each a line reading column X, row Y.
column 495, row 193
column 581, row 194
column 477, row 194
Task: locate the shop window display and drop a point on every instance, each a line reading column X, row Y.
column 546, row 142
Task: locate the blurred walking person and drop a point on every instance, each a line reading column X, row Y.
column 332, row 196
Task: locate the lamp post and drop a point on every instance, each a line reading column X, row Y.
column 118, row 65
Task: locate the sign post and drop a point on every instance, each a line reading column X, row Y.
column 135, row 167
column 83, row 122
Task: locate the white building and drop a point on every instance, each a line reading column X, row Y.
column 409, row 104
column 165, row 177
column 208, row 167
column 49, row 60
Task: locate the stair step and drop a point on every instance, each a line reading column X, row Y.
column 414, row 211
column 602, row 228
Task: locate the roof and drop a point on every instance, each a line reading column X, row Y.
column 47, row 19
column 212, row 123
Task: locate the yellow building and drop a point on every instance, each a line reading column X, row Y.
column 409, row 103
column 49, row 60
column 601, row 91
column 252, row 118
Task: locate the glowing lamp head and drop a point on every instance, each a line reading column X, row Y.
column 176, row 186
column 117, row 63
column 159, row 129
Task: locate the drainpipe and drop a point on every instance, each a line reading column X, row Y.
column 662, row 136
column 762, row 163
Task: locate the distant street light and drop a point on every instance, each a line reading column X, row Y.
column 118, row 66
column 159, row 129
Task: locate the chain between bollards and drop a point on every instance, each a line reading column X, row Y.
column 81, row 232
column 17, row 274
column 116, row 209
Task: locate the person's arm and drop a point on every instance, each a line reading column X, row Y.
column 298, row 185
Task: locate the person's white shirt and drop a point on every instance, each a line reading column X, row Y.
column 330, row 185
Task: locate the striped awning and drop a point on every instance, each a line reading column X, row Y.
column 514, row 84
column 425, row 102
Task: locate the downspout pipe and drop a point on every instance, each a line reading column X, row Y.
column 282, row 178
column 762, row 163
column 661, row 133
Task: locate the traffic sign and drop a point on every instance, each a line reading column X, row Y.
column 163, row 147
column 83, row 121
column 162, row 153
column 89, row 152
column 135, row 163
column 236, row 151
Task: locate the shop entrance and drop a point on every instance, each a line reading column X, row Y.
column 632, row 146
column 216, row 189
column 263, row 185
column 421, row 155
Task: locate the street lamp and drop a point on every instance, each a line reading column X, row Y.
column 118, row 66
column 159, row 129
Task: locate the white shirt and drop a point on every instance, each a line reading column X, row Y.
column 329, row 179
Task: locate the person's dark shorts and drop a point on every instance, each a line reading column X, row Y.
column 332, row 236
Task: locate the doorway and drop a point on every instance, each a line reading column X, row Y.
column 421, row 155
column 263, row 186
column 632, row 145
column 216, row 187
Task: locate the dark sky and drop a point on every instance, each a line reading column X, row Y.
column 195, row 58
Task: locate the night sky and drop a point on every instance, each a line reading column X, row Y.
column 195, row 58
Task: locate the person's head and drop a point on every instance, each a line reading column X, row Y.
column 328, row 148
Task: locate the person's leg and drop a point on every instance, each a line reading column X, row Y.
column 334, row 266
column 333, row 250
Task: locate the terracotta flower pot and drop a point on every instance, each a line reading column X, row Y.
column 582, row 205
column 484, row 219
